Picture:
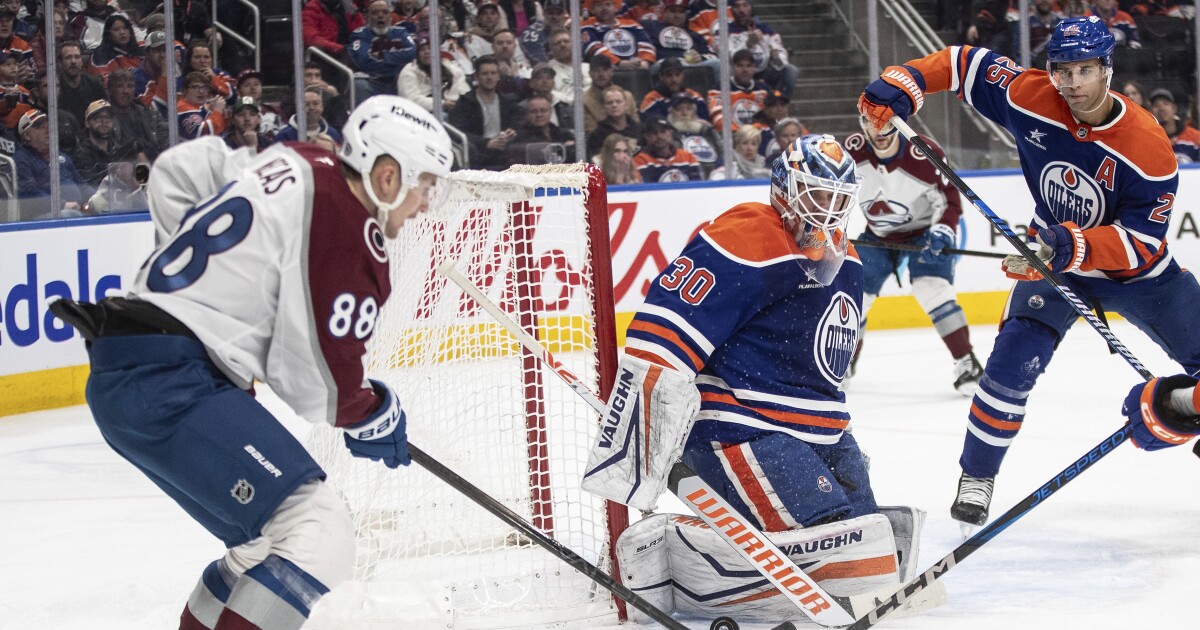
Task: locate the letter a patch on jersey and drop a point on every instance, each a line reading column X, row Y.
column 1106, row 173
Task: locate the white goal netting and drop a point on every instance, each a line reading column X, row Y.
column 428, row 556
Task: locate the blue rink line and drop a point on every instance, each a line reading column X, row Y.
column 51, row 224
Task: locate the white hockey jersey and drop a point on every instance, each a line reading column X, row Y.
column 903, row 196
column 281, row 274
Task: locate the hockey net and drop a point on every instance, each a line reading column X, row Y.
column 535, row 240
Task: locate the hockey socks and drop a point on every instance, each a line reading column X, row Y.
column 1023, row 349
column 273, row 595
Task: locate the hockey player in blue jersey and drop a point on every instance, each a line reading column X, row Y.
column 272, row 268
column 749, row 332
column 1103, row 177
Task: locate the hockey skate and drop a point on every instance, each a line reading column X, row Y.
column 971, row 505
column 966, row 374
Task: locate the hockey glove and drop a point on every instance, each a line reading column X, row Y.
column 939, row 237
column 895, row 93
column 1062, row 247
column 1156, row 422
column 382, row 435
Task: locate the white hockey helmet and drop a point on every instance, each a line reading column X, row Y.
column 395, row 126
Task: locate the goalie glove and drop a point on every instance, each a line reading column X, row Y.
column 648, row 418
column 1157, row 422
column 1062, row 247
column 382, row 436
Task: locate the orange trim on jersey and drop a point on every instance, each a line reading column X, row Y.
column 789, row 417
column 1003, row 425
column 648, row 357
column 935, row 68
column 648, row 390
column 1196, row 397
column 668, row 335
column 866, row 567
column 730, row 229
column 1106, row 249
column 746, row 478
column 752, row 598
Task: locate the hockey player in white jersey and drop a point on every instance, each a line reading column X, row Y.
column 270, row 268
column 906, row 201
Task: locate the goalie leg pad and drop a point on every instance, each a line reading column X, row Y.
column 782, row 482
column 706, row 578
column 649, row 416
column 906, row 525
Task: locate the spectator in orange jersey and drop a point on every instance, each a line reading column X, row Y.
column 746, row 95
column 660, row 160
column 15, row 101
column 1185, row 139
column 118, row 48
column 198, row 112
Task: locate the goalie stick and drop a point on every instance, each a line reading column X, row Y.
column 1010, row 236
column 737, row 531
column 1001, row 523
column 590, row 570
column 904, row 247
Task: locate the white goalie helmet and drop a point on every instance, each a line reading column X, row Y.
column 398, row 127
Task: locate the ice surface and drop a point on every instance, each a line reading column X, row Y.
column 87, row 542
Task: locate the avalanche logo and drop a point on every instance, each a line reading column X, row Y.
column 698, row 146
column 1072, row 195
column 836, row 338
column 373, row 235
column 886, row 214
column 620, row 42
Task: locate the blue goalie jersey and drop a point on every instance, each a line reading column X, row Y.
column 768, row 346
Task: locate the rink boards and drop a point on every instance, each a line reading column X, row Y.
column 42, row 363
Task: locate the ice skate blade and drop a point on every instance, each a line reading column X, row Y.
column 968, row 529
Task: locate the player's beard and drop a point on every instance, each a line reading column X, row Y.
column 685, row 125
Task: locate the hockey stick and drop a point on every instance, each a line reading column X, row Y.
column 1050, row 276
column 590, row 570
column 990, row 531
column 737, row 532
column 905, row 247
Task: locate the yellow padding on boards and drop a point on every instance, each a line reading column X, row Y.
column 44, row 389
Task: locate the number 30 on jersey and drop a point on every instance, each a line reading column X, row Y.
column 693, row 283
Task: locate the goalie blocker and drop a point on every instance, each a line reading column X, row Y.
column 680, row 565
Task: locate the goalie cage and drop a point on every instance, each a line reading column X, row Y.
column 535, row 239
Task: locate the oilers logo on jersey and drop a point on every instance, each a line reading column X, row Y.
column 837, row 337
column 1072, row 195
column 699, row 146
column 675, row 38
column 620, row 42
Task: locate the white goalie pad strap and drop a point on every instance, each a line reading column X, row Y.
column 906, row 529
column 649, row 416
column 708, row 578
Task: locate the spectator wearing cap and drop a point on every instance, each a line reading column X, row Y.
column 16, row 98
column 249, row 83
column 617, row 120
column 379, row 51
column 771, row 66
column 695, row 135
column 622, row 41
column 775, row 109
column 314, row 110
column 1185, row 139
column 536, row 132
column 327, row 24
column 14, row 44
column 564, row 73
column 746, row 94
column 200, row 59
column 488, row 20
column 416, row 85
column 198, row 112
column 39, row 98
column 150, row 77
column 541, row 83
column 670, row 85
column 489, row 118
column 76, row 89
column 33, row 171
column 674, row 39
column 600, row 69
column 87, row 26
column 534, row 39
column 660, row 160
column 134, row 121
column 750, row 165
column 118, row 48
column 99, row 145
column 243, row 132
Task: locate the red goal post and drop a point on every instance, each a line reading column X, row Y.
column 535, row 240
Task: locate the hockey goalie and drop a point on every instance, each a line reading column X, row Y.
column 733, row 364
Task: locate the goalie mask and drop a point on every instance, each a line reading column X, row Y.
column 1080, row 39
column 813, row 187
column 395, row 126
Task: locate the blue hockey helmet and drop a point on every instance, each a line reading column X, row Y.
column 1079, row 39
column 813, row 187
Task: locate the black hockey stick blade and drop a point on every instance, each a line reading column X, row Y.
column 905, row 247
column 989, row 531
column 549, row 544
